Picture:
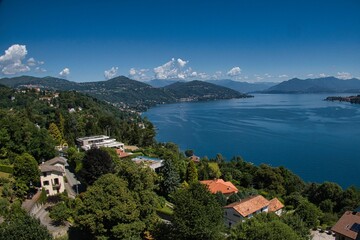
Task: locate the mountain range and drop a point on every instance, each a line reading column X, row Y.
column 317, row 85
column 122, row 91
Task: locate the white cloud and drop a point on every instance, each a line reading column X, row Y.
column 11, row 61
column 344, row 75
column 31, row 62
column 40, row 70
column 65, row 72
column 14, row 68
column 218, row 75
column 181, row 62
column 173, row 69
column 235, row 71
column 310, row 75
column 267, row 75
column 140, row 74
column 322, row 75
column 111, row 72
column 283, row 76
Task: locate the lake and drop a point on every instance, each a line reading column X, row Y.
column 316, row 139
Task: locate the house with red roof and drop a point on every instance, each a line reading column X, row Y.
column 348, row 226
column 248, row 207
column 219, row 185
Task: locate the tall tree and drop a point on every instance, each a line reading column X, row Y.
column 191, row 173
column 109, row 211
column 55, row 133
column 171, row 179
column 26, row 170
column 95, row 164
column 197, row 214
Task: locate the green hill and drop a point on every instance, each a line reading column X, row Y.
column 124, row 92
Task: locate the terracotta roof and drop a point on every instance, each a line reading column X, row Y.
column 50, row 168
column 219, row 185
column 348, row 225
column 122, row 153
column 275, row 205
column 249, row 205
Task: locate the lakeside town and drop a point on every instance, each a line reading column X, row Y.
column 76, row 188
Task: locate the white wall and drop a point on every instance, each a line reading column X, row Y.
column 50, row 177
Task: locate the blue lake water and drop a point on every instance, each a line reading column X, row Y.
column 316, row 139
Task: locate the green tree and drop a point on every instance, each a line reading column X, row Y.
column 189, row 152
column 60, row 213
column 108, row 210
column 26, row 171
column 263, row 226
column 191, row 173
column 96, row 163
column 170, row 178
column 197, row 214
column 20, row 226
column 55, row 133
column 214, row 170
column 309, row 213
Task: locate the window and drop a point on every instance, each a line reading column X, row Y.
column 44, row 174
column 56, row 181
column 46, row 183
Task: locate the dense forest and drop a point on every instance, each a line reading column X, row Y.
column 122, row 200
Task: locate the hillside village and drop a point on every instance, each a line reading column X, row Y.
column 87, row 170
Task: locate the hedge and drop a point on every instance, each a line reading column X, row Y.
column 6, row 168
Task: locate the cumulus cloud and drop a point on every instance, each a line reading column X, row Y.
column 344, row 75
column 283, row 76
column 173, row 69
column 11, row 61
column 31, row 62
column 322, row 75
column 111, row 72
column 40, row 70
column 235, row 71
column 181, row 62
column 139, row 74
column 65, row 72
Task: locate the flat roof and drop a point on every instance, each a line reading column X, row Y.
column 93, row 137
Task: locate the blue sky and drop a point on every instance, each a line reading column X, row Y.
column 243, row 40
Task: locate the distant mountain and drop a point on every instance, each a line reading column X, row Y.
column 318, row 85
column 243, row 87
column 124, row 91
column 157, row 83
column 45, row 82
column 201, row 91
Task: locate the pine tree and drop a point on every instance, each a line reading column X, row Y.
column 191, row 173
column 55, row 133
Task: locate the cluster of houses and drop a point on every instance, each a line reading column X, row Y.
column 245, row 208
column 53, row 173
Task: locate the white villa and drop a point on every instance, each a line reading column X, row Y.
column 52, row 175
column 87, row 143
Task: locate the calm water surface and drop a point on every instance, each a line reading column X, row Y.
column 318, row 140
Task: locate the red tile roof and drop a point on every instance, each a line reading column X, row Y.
column 348, row 225
column 122, row 153
column 275, row 205
column 219, row 185
column 249, row 205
